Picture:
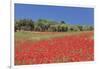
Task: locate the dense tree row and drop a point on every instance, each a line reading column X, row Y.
column 49, row 26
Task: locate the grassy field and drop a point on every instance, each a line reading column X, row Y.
column 34, row 36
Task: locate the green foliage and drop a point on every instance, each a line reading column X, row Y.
column 44, row 25
column 24, row 24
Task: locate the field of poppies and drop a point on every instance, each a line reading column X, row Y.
column 53, row 47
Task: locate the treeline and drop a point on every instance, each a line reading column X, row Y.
column 44, row 25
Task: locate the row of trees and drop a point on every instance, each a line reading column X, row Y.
column 43, row 25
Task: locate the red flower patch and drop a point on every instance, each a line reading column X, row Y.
column 71, row 48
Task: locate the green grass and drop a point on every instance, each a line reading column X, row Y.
column 26, row 35
column 35, row 35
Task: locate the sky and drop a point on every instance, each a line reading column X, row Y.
column 71, row 15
